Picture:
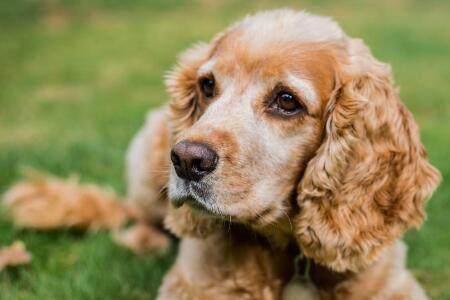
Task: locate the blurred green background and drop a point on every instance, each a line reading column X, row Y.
column 77, row 78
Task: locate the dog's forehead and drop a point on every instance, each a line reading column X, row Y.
column 277, row 44
column 281, row 27
column 288, row 25
column 314, row 63
column 272, row 59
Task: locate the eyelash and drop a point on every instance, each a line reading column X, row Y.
column 284, row 94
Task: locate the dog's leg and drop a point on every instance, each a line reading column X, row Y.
column 147, row 165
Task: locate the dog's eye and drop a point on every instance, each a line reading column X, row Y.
column 207, row 86
column 286, row 104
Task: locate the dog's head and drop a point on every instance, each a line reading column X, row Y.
column 283, row 106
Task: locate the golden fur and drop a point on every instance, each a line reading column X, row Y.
column 43, row 202
column 342, row 183
column 14, row 255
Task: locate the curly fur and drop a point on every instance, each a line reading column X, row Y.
column 342, row 183
column 370, row 177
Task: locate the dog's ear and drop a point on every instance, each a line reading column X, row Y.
column 370, row 177
column 184, row 110
column 181, row 84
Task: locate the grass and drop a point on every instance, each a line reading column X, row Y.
column 77, row 77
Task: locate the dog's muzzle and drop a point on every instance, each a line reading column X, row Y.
column 192, row 161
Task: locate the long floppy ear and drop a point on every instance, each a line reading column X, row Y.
column 370, row 178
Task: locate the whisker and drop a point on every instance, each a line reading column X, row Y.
column 289, row 219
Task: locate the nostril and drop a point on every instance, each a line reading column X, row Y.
column 202, row 165
column 197, row 164
column 175, row 159
column 208, row 164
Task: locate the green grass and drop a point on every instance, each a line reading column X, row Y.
column 77, row 77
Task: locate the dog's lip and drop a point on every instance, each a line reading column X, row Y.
column 189, row 200
column 189, row 192
column 193, row 203
column 196, row 196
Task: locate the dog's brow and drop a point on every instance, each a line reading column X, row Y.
column 305, row 86
column 206, row 68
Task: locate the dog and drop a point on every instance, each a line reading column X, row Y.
column 287, row 165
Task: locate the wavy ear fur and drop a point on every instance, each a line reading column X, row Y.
column 181, row 84
column 370, row 178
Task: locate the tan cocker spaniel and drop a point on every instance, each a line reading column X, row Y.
column 291, row 166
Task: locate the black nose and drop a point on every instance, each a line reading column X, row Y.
column 193, row 160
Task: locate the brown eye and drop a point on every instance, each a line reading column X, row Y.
column 207, row 86
column 285, row 103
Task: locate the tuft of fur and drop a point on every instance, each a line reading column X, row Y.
column 46, row 203
column 14, row 255
column 142, row 238
column 300, row 291
column 50, row 203
column 183, row 222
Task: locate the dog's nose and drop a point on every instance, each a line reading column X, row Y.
column 193, row 160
